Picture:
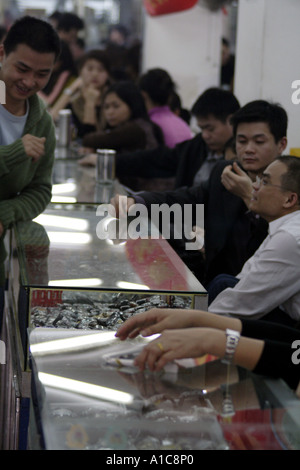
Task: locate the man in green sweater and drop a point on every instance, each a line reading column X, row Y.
column 27, row 134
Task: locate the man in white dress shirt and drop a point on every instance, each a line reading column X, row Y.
column 268, row 286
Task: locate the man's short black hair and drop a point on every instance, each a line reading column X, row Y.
column 69, row 21
column 272, row 114
column 216, row 102
column 291, row 179
column 158, row 84
column 37, row 34
column 120, row 28
column 56, row 15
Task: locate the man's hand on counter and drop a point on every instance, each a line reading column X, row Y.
column 122, row 204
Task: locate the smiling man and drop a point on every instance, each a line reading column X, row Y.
column 269, row 284
column 27, row 135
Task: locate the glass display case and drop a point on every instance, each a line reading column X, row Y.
column 14, row 390
column 75, row 269
column 89, row 396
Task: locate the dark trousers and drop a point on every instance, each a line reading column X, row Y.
column 218, row 284
column 223, row 281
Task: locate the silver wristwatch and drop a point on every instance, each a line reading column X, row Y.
column 232, row 339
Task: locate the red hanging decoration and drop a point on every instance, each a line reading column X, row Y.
column 163, row 7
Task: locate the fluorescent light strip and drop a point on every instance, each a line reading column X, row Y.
column 131, row 285
column 79, row 343
column 70, row 238
column 83, row 388
column 63, row 199
column 72, row 344
column 72, row 223
column 92, row 282
column 63, row 188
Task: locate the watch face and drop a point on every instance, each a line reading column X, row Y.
column 232, row 332
column 232, row 339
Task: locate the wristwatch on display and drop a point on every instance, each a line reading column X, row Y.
column 232, row 339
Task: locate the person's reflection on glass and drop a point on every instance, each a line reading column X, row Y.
column 36, row 245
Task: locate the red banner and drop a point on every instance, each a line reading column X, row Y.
column 163, row 7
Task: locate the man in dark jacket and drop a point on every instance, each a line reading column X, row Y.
column 212, row 110
column 232, row 232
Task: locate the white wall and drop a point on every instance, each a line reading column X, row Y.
column 268, row 55
column 187, row 45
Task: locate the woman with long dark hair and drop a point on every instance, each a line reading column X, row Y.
column 126, row 125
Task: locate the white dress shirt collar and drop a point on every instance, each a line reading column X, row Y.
column 276, row 224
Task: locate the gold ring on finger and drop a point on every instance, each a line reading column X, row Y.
column 160, row 346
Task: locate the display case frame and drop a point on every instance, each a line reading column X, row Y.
column 42, row 268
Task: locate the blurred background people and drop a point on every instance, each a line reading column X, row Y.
column 2, row 33
column 85, row 94
column 126, row 125
column 157, row 87
column 176, row 106
column 68, row 27
column 54, row 18
column 227, row 66
column 118, row 34
column 64, row 73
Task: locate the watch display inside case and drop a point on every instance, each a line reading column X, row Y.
column 70, row 274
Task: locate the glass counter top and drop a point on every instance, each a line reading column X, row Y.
column 88, row 399
column 66, row 248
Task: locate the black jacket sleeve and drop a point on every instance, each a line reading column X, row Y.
column 182, row 161
column 279, row 358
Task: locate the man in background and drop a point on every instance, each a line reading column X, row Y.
column 232, row 232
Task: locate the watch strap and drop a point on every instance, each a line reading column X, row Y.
column 232, row 340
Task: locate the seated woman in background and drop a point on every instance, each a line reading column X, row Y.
column 157, row 87
column 64, row 73
column 127, row 126
column 84, row 95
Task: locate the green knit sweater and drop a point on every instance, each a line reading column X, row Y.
column 25, row 186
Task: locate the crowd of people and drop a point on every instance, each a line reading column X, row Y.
column 235, row 166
